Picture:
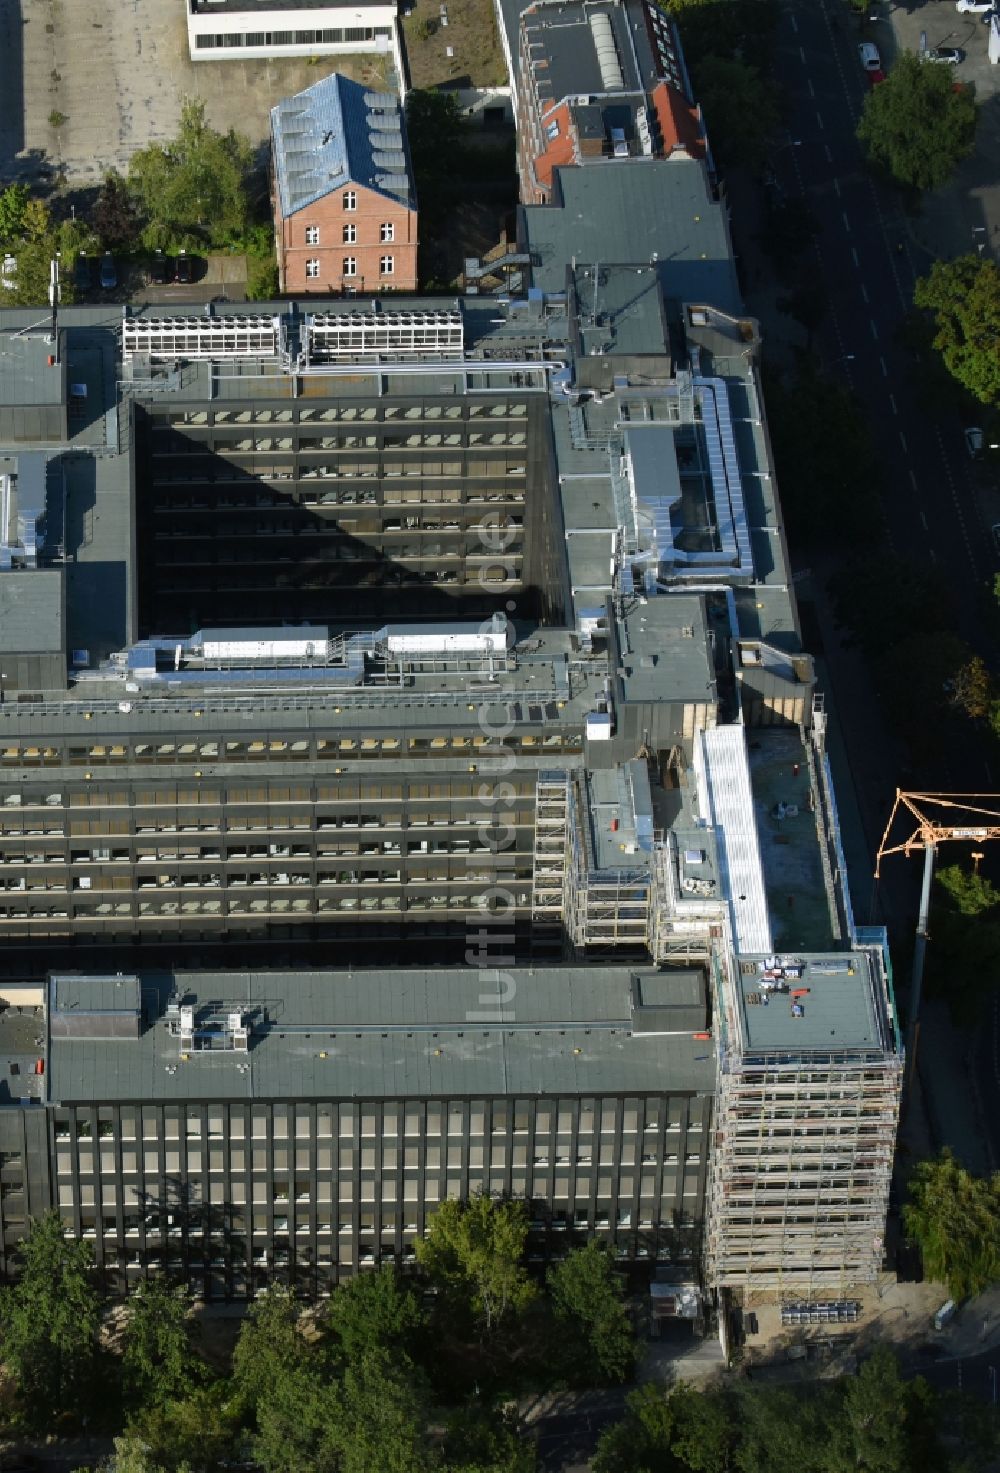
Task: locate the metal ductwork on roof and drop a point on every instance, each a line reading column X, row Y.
column 607, row 52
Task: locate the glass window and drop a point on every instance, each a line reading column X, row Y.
column 387, row 231
column 350, row 266
column 350, row 234
column 312, row 269
column 350, row 199
column 386, row 265
column 312, row 235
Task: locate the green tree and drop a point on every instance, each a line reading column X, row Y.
column 198, row 1433
column 828, row 470
column 873, row 1427
column 741, row 112
column 917, row 125
column 955, row 1218
column 13, row 203
column 159, row 1362
column 591, row 1320
column 668, row 1433
column 963, row 298
column 374, row 1311
column 114, row 217
column 49, row 1321
column 885, row 600
column 736, row 29
column 474, row 1252
column 973, row 693
column 383, row 1419
column 196, row 188
column 283, row 1383
column 479, row 1440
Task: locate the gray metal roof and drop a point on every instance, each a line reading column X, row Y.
column 337, row 132
column 91, row 994
column 841, row 1003
column 404, row 1033
column 636, row 210
column 31, row 611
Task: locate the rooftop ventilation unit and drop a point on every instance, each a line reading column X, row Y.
column 607, row 52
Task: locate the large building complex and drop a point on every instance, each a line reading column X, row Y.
column 412, row 780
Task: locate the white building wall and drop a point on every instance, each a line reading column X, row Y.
column 351, row 21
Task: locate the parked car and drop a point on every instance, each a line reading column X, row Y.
column 8, row 272
column 83, row 272
column 109, row 272
column 974, row 443
column 974, row 7
column 185, row 268
column 874, row 78
column 947, row 55
column 160, row 269
column 869, row 57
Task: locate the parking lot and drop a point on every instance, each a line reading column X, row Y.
column 85, row 84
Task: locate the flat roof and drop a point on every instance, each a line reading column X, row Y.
column 31, row 611
column 792, row 1002
column 619, row 310
column 642, row 210
column 395, row 1034
column 564, row 51
column 666, row 651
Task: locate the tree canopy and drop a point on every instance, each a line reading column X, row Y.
column 871, row 1422
column 917, row 124
column 955, row 1218
column 963, row 297
column 741, row 109
column 195, row 189
column 159, row 1362
column 474, row 1252
column 48, row 1323
column 592, row 1323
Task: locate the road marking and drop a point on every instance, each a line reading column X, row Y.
column 843, row 216
column 933, row 554
column 803, row 55
column 854, row 253
column 795, row 24
column 913, row 480
column 864, row 292
column 819, row 117
column 892, row 401
column 923, row 520
column 874, row 329
column 829, row 155
column 836, row 187
column 902, row 441
column 885, row 371
column 812, row 89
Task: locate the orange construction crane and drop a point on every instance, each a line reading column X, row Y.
column 972, row 817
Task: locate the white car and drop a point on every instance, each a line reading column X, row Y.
column 974, row 7
column 870, row 59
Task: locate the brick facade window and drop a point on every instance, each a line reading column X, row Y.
column 350, row 266
column 312, row 235
column 350, row 234
column 350, row 199
column 312, row 268
column 386, row 265
column 387, row 231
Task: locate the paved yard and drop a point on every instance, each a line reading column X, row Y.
column 117, row 74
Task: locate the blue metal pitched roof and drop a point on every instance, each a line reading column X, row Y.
column 337, row 132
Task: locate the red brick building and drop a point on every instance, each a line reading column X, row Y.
column 345, row 206
column 597, row 81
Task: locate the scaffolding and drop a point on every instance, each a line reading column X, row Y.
column 802, row 1161
column 235, row 335
column 549, row 858
column 604, row 908
column 333, row 335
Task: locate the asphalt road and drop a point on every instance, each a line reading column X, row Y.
column 931, row 507
column 866, row 263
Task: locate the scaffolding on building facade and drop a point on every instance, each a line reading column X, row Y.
column 801, row 1162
